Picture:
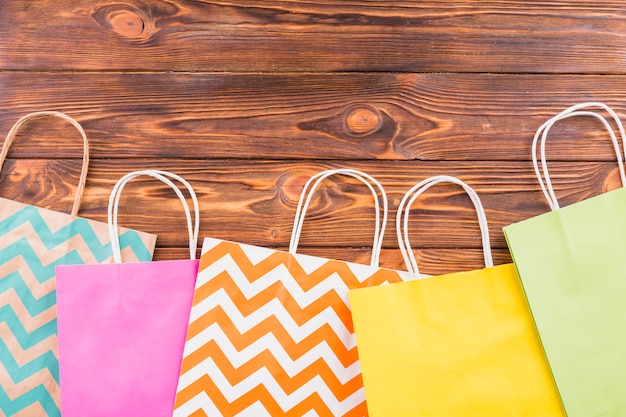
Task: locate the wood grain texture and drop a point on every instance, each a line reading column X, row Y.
column 255, row 202
column 572, row 36
column 362, row 116
column 247, row 99
column 430, row 261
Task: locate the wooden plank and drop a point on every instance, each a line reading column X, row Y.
column 305, row 116
column 430, row 261
column 433, row 36
column 255, row 201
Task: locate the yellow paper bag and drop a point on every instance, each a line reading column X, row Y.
column 461, row 344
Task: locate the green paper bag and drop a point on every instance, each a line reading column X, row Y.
column 572, row 264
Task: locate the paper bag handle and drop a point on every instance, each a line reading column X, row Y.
column 547, row 189
column 83, row 174
column 307, row 195
column 114, row 200
column 404, row 208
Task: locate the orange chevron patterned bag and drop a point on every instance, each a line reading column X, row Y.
column 270, row 332
column 33, row 241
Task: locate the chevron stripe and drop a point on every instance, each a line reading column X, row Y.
column 271, row 334
column 76, row 226
column 25, row 339
column 202, row 406
column 352, row 275
column 23, row 357
column 10, row 299
column 36, row 381
column 251, row 285
column 273, row 356
column 236, row 376
column 262, row 387
column 24, row 274
column 272, row 309
column 15, row 284
column 332, row 279
column 278, row 355
column 21, row 373
column 30, row 250
column 42, row 272
column 38, row 395
column 296, row 348
column 38, row 246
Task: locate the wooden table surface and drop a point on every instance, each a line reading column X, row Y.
column 248, row 99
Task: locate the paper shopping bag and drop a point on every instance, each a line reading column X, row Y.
column 461, row 344
column 270, row 332
column 572, row 266
column 122, row 326
column 33, row 240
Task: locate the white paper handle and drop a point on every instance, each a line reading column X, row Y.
column 83, row 173
column 547, row 189
column 114, row 200
column 307, row 195
column 404, row 208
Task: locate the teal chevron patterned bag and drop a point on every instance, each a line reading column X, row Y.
column 33, row 241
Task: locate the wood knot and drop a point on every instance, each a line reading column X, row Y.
column 362, row 120
column 291, row 185
column 127, row 23
column 612, row 181
column 370, row 128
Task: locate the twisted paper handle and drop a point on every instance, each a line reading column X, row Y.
column 307, row 195
column 404, row 209
column 546, row 188
column 83, row 174
column 164, row 176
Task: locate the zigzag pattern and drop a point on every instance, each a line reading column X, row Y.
column 21, row 373
column 271, row 334
column 36, row 396
column 76, row 226
column 297, row 326
column 26, row 340
column 30, row 250
column 35, row 306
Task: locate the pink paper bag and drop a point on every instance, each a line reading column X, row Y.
column 122, row 327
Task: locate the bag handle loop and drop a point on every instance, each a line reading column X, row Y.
column 546, row 188
column 164, row 176
column 404, row 208
column 83, row 173
column 307, row 195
